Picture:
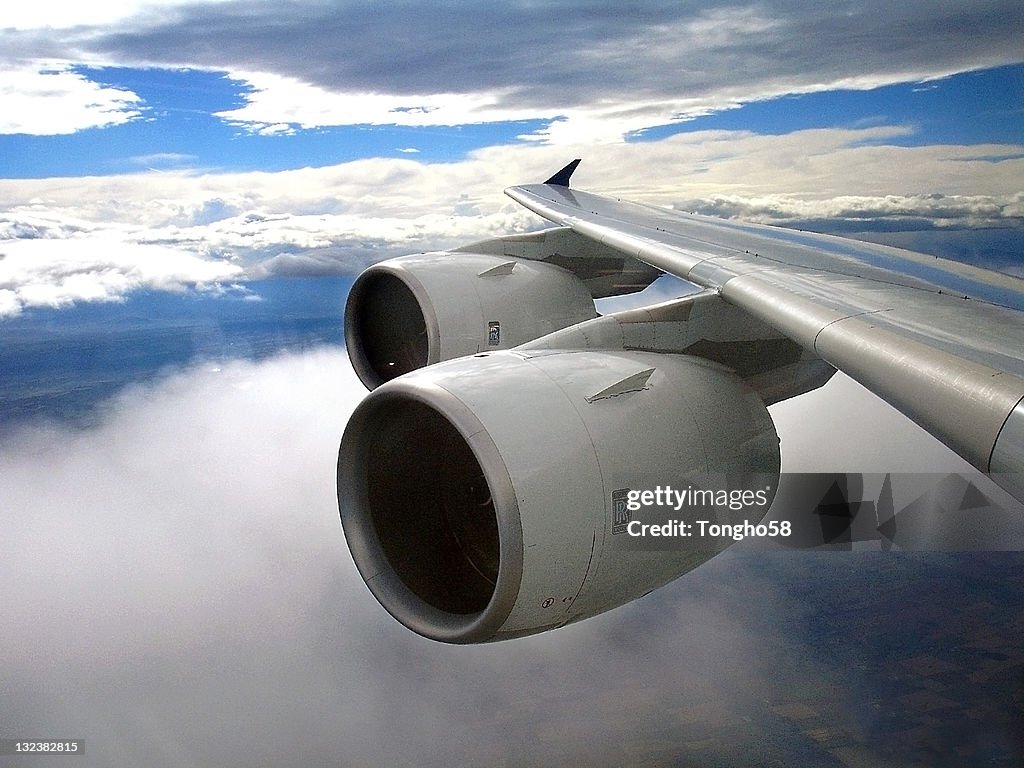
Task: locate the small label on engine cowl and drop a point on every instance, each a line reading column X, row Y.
column 620, row 510
column 493, row 333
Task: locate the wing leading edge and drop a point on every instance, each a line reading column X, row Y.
column 941, row 342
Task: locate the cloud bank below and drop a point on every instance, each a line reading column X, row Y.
column 179, row 592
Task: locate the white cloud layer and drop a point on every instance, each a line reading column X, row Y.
column 337, row 219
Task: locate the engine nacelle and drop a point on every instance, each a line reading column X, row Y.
column 413, row 311
column 482, row 498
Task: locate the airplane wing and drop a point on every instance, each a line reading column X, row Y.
column 518, row 453
column 940, row 341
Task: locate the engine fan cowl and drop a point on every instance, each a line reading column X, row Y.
column 478, row 495
column 413, row 311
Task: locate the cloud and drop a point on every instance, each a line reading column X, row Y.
column 859, row 213
column 163, row 159
column 591, row 71
column 178, row 591
column 46, row 99
column 63, row 14
column 146, row 443
column 275, row 103
column 95, row 239
column 337, row 219
column 57, row 273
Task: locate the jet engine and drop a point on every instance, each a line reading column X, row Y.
column 413, row 311
column 484, row 498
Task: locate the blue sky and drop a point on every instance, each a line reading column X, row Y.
column 982, row 107
column 177, row 126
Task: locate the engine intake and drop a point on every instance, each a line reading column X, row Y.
column 410, row 312
column 389, row 330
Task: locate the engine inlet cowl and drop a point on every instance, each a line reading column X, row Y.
column 406, row 313
column 478, row 495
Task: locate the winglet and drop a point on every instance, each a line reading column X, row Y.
column 561, row 179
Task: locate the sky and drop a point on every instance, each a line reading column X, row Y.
column 238, row 141
column 186, row 191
